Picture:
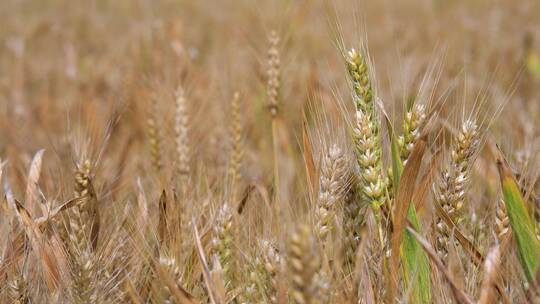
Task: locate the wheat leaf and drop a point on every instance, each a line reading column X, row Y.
column 522, row 226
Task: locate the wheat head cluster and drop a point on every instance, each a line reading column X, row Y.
column 269, row 151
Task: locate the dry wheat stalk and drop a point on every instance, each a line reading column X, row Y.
column 491, row 273
column 18, row 290
column 184, row 228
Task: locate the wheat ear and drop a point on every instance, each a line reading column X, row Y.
column 271, row 260
column 235, row 162
column 222, row 243
column 353, row 220
column 502, row 223
column 413, row 122
column 451, row 188
column 367, row 137
column 182, row 140
column 154, row 137
column 82, row 259
column 331, row 190
column 272, row 91
column 302, row 266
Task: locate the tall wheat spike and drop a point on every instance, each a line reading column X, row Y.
column 273, row 88
column 332, row 183
column 154, row 136
column 235, row 162
column 273, row 82
column 367, row 137
column 80, row 251
column 182, row 140
column 451, row 188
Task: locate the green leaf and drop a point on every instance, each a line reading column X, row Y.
column 523, row 229
column 416, row 267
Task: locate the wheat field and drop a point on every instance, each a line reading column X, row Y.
column 243, row 151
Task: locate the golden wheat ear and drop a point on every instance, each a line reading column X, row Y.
column 181, row 125
column 452, row 186
column 302, row 265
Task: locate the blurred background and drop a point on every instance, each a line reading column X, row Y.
column 79, row 71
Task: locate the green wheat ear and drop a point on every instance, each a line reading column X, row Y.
column 522, row 225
